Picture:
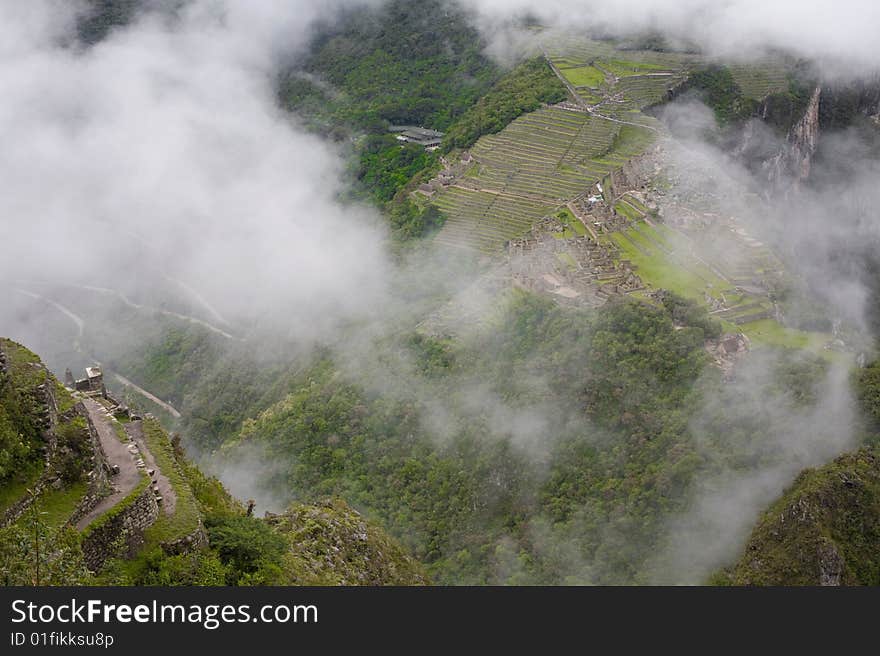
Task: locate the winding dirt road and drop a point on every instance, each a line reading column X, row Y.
column 155, row 399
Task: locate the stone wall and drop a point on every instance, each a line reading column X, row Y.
column 198, row 539
column 122, row 534
column 99, row 482
column 18, row 508
column 45, row 395
column 635, row 174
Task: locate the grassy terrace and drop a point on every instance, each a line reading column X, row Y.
column 543, row 159
column 761, row 78
column 185, row 518
column 537, row 163
column 662, row 259
column 15, row 489
column 24, row 366
column 56, row 506
column 771, row 333
column 119, row 507
column 584, row 76
column 663, row 262
column 574, row 51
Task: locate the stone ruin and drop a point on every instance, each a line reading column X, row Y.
column 727, row 350
column 91, row 385
column 577, row 270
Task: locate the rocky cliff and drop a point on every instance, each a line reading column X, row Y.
column 791, row 165
column 825, row 530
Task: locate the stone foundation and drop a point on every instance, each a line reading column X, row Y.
column 121, row 535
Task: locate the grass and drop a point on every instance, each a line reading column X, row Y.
column 771, row 333
column 24, row 365
column 624, row 68
column 58, row 505
column 119, row 507
column 679, row 272
column 575, row 227
column 185, row 519
column 635, row 202
column 119, row 429
column 629, row 212
column 14, row 490
column 584, row 76
column 567, row 260
column 64, row 398
column 655, row 270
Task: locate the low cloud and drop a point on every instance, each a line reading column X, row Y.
column 840, row 35
column 161, row 152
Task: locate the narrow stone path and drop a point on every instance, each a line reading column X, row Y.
column 118, row 454
column 135, row 431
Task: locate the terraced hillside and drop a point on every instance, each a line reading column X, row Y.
column 761, row 78
column 547, row 158
column 92, row 492
column 110, row 476
column 535, row 165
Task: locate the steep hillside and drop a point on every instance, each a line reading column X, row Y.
column 92, row 491
column 825, row 530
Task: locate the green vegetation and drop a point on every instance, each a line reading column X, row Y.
column 20, row 414
column 529, row 169
column 17, row 485
column 572, row 222
column 526, row 88
column 722, row 93
column 621, row 379
column 119, row 508
column 662, row 261
column 762, row 78
column 393, row 65
column 58, row 505
column 627, row 210
column 771, row 333
column 825, row 529
column 386, row 165
column 378, row 66
column 33, row 554
column 867, row 386
column 185, row 518
column 625, row 68
column 584, row 76
column 324, row 544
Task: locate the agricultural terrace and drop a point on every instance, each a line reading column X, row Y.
column 664, row 258
column 546, row 158
column 761, row 78
column 537, row 163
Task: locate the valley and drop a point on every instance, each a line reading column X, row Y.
column 422, row 305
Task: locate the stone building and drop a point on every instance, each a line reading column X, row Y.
column 93, row 383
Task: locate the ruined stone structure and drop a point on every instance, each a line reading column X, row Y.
column 726, row 350
column 198, row 539
column 577, row 270
column 98, row 476
column 93, row 383
column 121, row 533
